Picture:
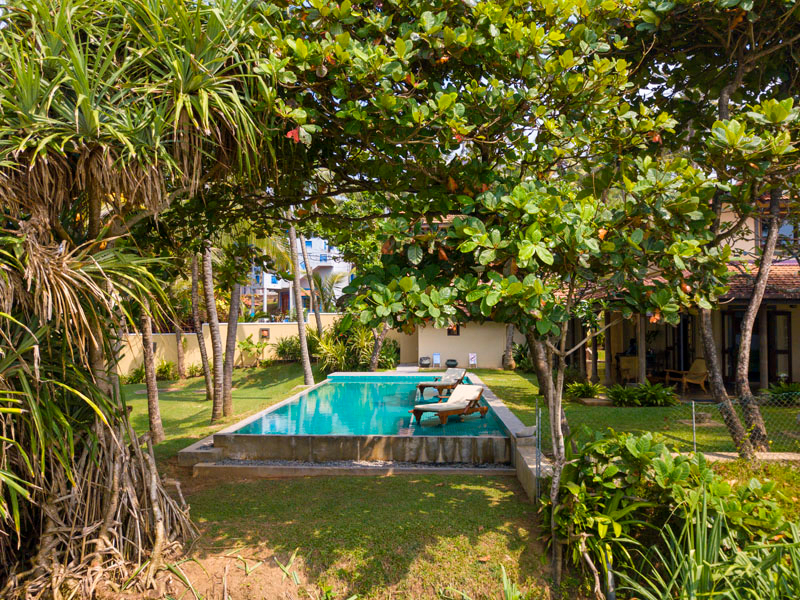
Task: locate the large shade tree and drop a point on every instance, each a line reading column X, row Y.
column 713, row 64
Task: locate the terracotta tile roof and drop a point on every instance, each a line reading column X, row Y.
column 783, row 283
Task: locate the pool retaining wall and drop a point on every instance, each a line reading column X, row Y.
column 328, row 448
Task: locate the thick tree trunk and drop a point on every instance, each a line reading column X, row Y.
column 198, row 328
column 308, row 376
column 752, row 414
column 542, row 361
column 213, row 325
column 179, row 351
column 230, row 351
column 718, row 391
column 508, row 353
column 378, row 337
column 153, row 411
column 314, row 303
column 96, row 351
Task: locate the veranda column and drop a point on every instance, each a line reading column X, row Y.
column 763, row 348
column 641, row 349
column 607, row 345
column 595, row 377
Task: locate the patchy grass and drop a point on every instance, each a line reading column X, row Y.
column 381, row 537
column 186, row 414
column 519, row 391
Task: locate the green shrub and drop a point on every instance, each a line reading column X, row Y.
column 645, row 394
column 347, row 346
column 522, row 357
column 251, row 351
column 389, row 355
column 619, row 488
column 166, row 370
column 621, row 395
column 656, row 394
column 194, row 370
column 784, row 394
column 288, row 348
column 587, row 389
column 700, row 561
column 135, row 376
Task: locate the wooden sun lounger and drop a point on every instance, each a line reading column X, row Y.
column 448, row 381
column 464, row 400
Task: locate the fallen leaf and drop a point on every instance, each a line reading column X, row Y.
column 483, row 559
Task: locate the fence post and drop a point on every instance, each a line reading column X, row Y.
column 694, row 430
column 538, row 448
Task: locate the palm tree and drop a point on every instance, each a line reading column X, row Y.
column 308, row 375
column 198, row 328
column 327, row 289
column 213, row 325
column 153, row 410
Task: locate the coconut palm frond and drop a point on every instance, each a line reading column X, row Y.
column 326, row 288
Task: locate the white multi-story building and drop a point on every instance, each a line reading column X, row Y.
column 269, row 293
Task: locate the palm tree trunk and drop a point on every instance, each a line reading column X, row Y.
column 752, row 413
column 311, row 286
column 718, row 392
column 153, row 411
column 508, row 353
column 179, row 351
column 378, row 336
column 213, row 325
column 308, row 376
column 230, row 350
column 198, row 327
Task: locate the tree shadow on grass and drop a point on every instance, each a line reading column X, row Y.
column 415, row 534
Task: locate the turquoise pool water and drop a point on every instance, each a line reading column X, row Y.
column 367, row 405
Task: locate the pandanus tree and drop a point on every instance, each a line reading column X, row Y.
column 103, row 121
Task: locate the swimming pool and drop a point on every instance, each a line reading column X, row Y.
column 367, row 405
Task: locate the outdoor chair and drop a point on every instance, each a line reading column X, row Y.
column 697, row 374
column 464, row 400
column 448, row 381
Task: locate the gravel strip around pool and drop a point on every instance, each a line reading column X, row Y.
column 362, row 464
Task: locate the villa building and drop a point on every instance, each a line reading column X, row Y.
column 775, row 351
column 269, row 293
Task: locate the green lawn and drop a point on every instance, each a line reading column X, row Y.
column 381, row 537
column 518, row 391
column 186, row 414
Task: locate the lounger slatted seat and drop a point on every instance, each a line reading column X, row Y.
column 448, row 381
column 464, row 400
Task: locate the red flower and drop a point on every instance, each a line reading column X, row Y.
column 459, row 138
column 294, row 135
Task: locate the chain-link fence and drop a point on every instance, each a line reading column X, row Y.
column 689, row 425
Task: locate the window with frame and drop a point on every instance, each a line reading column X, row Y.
column 788, row 232
column 454, row 330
